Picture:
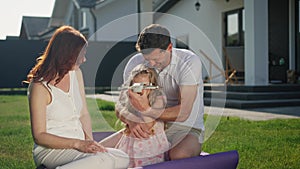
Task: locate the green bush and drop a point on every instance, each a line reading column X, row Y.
column 105, row 105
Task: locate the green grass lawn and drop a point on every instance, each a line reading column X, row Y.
column 273, row 144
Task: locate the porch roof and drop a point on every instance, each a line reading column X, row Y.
column 34, row 25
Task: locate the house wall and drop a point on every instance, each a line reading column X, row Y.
column 207, row 20
column 105, row 63
column 117, row 21
column 60, row 11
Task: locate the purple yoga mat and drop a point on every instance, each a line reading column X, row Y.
column 222, row 160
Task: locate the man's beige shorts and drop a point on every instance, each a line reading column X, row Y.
column 175, row 133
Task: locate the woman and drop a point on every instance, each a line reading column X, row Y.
column 60, row 121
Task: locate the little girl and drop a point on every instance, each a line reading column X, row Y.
column 151, row 150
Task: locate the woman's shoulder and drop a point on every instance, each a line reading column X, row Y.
column 79, row 76
column 36, row 85
column 39, row 87
column 78, row 73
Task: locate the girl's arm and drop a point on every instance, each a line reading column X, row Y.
column 158, row 102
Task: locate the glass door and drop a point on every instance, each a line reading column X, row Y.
column 297, row 10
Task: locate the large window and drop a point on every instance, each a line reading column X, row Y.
column 234, row 28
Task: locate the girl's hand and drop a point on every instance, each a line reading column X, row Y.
column 139, row 101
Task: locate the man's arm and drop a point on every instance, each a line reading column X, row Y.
column 177, row 113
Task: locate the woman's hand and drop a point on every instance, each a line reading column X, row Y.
column 89, row 146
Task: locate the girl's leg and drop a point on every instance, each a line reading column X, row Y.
column 112, row 140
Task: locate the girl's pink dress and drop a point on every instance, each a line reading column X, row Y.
column 145, row 151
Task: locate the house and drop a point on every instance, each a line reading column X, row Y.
column 255, row 39
column 32, row 26
column 261, row 33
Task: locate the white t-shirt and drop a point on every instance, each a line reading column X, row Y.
column 185, row 69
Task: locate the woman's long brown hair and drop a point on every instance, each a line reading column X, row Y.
column 59, row 57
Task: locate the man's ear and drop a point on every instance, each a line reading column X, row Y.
column 169, row 48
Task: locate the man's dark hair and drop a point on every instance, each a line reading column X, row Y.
column 152, row 37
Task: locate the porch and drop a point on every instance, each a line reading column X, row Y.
column 245, row 97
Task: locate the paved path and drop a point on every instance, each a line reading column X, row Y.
column 251, row 114
column 256, row 115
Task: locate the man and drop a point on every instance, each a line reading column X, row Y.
column 181, row 80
